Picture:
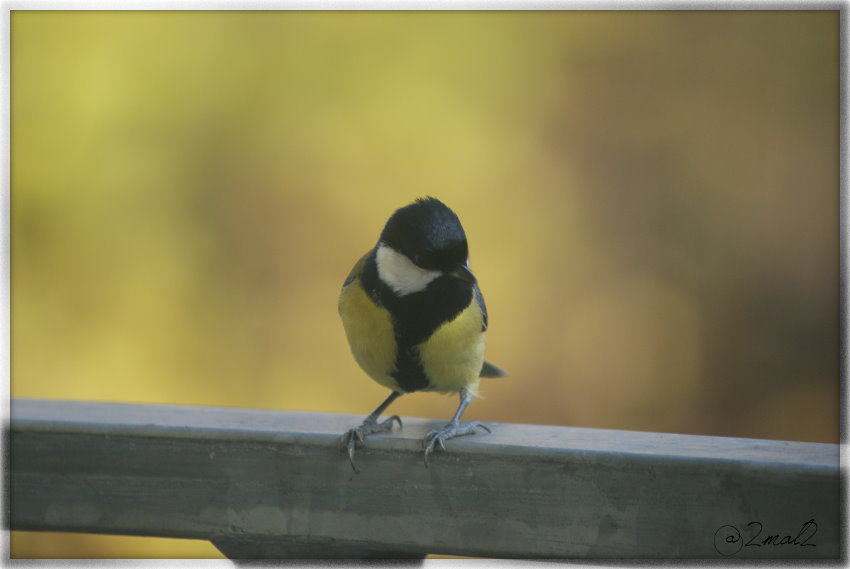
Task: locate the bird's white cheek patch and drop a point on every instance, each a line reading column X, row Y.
column 400, row 274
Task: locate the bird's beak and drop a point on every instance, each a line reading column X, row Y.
column 463, row 273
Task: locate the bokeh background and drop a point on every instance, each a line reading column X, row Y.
column 651, row 200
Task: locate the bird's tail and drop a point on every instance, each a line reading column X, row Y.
column 489, row 370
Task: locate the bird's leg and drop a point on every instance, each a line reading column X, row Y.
column 370, row 425
column 452, row 429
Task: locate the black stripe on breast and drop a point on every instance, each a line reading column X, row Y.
column 415, row 317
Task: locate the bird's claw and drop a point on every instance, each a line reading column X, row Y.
column 450, row 431
column 356, row 437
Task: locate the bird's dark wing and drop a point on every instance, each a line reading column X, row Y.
column 487, row 369
column 355, row 272
column 480, row 299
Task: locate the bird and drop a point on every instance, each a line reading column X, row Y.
column 415, row 319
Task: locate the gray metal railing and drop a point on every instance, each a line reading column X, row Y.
column 265, row 484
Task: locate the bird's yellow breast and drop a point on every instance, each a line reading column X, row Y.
column 451, row 357
column 369, row 329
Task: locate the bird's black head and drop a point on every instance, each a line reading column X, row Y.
column 428, row 233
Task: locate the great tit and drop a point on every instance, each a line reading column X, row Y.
column 415, row 318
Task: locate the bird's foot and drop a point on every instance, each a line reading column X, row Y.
column 354, row 438
column 450, row 431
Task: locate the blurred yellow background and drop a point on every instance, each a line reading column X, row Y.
column 651, row 200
